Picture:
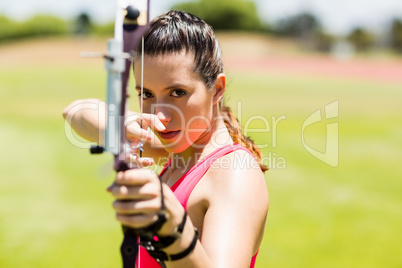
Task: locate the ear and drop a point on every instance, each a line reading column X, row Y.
column 220, row 87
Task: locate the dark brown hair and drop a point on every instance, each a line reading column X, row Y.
column 176, row 31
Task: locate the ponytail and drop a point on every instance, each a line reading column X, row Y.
column 235, row 131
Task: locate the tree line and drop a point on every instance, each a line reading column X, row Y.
column 223, row 15
column 48, row 25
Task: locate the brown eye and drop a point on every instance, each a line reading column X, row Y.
column 145, row 95
column 178, row 93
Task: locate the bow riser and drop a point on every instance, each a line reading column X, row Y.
column 132, row 19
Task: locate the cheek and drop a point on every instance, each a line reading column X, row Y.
column 199, row 117
column 198, row 121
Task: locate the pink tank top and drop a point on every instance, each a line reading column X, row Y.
column 184, row 187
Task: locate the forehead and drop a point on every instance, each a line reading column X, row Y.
column 163, row 71
column 182, row 61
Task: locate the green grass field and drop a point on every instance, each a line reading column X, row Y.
column 55, row 211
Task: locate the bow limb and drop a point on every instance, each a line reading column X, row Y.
column 131, row 23
column 134, row 26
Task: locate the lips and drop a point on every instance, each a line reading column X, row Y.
column 168, row 135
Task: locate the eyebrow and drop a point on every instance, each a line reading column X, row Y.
column 138, row 88
column 178, row 85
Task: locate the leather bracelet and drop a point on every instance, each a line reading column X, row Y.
column 152, row 242
column 155, row 244
column 184, row 253
column 161, row 256
column 177, row 232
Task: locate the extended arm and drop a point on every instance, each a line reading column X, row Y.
column 87, row 118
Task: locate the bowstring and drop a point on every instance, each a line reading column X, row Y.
column 141, row 112
column 142, row 86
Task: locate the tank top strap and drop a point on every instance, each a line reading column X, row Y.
column 185, row 185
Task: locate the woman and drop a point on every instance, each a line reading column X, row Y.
column 213, row 174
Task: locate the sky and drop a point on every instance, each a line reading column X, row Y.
column 337, row 16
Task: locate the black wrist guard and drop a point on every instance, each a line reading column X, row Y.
column 161, row 256
column 154, row 245
column 159, row 242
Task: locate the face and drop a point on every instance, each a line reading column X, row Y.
column 178, row 97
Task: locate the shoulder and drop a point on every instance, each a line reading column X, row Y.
column 237, row 202
column 237, row 171
column 233, row 177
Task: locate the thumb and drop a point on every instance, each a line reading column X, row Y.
column 154, row 122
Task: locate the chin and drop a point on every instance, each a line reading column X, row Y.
column 180, row 145
column 176, row 147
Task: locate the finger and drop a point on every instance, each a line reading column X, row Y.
column 136, row 127
column 146, row 161
column 137, row 221
column 133, row 177
column 134, row 132
column 139, row 162
column 134, row 207
column 123, row 192
column 153, row 121
column 133, row 160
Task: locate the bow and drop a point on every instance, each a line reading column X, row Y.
column 131, row 23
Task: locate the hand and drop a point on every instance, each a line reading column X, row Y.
column 138, row 200
column 137, row 130
column 137, row 197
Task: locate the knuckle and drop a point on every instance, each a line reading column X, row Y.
column 156, row 204
column 117, row 206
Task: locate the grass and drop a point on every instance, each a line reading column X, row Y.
column 55, row 212
column 322, row 216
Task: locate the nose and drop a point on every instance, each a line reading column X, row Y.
column 163, row 117
column 163, row 112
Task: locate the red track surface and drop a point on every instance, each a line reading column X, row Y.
column 66, row 52
column 368, row 69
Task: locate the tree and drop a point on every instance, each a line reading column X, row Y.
column 324, row 41
column 303, row 25
column 7, row 29
column 225, row 14
column 361, row 39
column 396, row 35
column 37, row 26
column 83, row 24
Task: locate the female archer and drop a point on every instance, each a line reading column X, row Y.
column 213, row 185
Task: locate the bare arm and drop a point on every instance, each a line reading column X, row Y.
column 87, row 118
column 234, row 223
column 231, row 229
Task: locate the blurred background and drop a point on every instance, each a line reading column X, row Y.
column 334, row 182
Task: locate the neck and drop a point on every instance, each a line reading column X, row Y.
column 216, row 138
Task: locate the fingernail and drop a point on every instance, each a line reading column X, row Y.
column 160, row 126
